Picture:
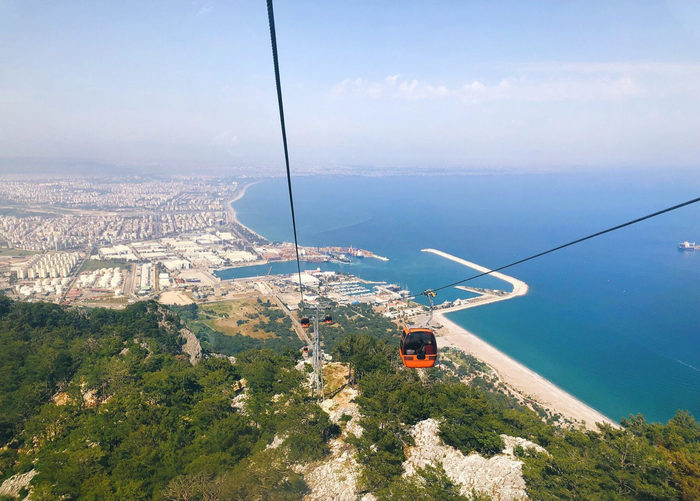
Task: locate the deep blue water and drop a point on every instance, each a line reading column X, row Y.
column 615, row 321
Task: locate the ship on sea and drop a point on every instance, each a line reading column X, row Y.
column 688, row 246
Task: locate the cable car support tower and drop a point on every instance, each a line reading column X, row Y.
column 317, row 389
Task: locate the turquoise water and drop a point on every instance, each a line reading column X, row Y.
column 614, row 321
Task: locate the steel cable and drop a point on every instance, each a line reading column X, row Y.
column 559, row 247
column 273, row 40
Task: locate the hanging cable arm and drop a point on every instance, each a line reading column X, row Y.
column 273, row 40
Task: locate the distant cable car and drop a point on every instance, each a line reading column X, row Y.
column 418, row 348
column 305, row 322
column 328, row 319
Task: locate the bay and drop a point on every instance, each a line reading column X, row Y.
column 614, row 321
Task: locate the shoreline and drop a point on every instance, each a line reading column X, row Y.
column 521, row 379
column 527, row 383
column 234, row 215
column 518, row 377
column 240, row 194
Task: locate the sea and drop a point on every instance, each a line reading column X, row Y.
column 615, row 321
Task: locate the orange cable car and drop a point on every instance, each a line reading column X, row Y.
column 418, row 348
column 328, row 320
column 305, row 323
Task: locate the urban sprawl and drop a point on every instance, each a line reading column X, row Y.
column 110, row 243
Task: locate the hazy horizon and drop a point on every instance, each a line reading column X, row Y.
column 407, row 86
column 57, row 169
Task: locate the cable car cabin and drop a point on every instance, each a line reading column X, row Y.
column 418, row 348
column 328, row 319
column 305, row 322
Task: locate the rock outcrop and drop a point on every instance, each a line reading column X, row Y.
column 191, row 348
column 13, row 485
column 343, row 404
column 500, row 476
column 336, row 476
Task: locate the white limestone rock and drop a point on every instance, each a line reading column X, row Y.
column 344, row 403
column 336, row 477
column 500, row 476
column 14, row 484
column 191, row 348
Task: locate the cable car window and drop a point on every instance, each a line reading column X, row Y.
column 417, row 341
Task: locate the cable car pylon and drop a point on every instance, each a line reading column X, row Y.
column 317, row 387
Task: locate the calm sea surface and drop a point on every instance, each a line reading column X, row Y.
column 615, row 321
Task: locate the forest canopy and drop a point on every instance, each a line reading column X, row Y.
column 102, row 404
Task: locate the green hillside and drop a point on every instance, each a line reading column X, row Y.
column 103, row 405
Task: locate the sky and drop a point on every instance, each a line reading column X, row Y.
column 366, row 84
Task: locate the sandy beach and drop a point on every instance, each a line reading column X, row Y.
column 515, row 375
column 233, row 215
column 519, row 378
column 239, row 194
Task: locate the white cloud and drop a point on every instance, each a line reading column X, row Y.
column 226, row 140
column 393, row 86
column 560, row 89
column 555, row 82
column 204, row 7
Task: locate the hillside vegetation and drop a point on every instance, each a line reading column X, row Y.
column 230, row 327
column 136, row 420
column 642, row 461
column 355, row 319
column 102, row 404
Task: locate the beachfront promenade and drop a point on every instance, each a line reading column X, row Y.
column 518, row 377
